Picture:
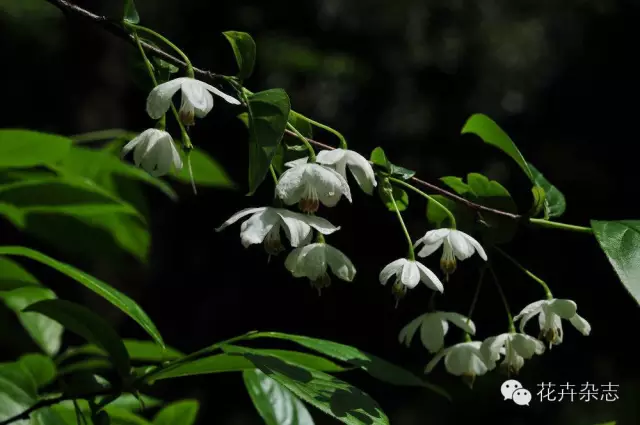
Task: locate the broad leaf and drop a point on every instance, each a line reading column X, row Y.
column 375, row 366
column 620, row 240
column 130, row 13
column 228, row 363
column 115, row 297
column 45, row 332
column 41, row 368
column 457, row 184
column 485, row 128
column 146, row 351
column 400, row 197
column 555, row 203
column 379, row 158
column 268, row 112
column 183, row 412
column 206, row 171
column 244, row 49
column 117, row 415
column 401, row 172
column 13, row 275
column 439, row 218
column 133, row 403
column 333, row 396
column 275, row 403
column 90, row 326
column 25, row 148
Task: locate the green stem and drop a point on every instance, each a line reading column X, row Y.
column 312, row 152
column 190, row 72
column 412, row 255
column 273, row 174
column 452, row 219
column 512, row 328
column 162, row 122
column 343, row 141
column 555, row 225
column 527, row 272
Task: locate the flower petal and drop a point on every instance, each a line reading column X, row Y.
column 429, row 278
column 432, row 241
column 296, row 260
column 581, row 324
column 534, row 308
column 460, row 321
column 320, row 224
column 159, row 99
column 230, row 99
column 313, row 262
column 297, row 162
column 330, row 157
column 237, row 216
column 133, row 143
column 491, row 347
column 255, row 229
column 407, row 333
column 296, row 229
column 330, row 185
column 197, row 95
column 475, row 244
column 175, row 157
column 461, row 247
column 563, row 308
column 362, row 171
column 432, row 332
column 526, row 346
column 410, row 275
column 434, row 361
column 390, row 269
column 465, row 359
column 291, row 186
column 340, row 264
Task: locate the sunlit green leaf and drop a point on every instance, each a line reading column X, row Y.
column 25, row 148
column 183, row 412
column 130, row 12
column 274, row 402
column 379, row 158
column 555, row 203
column 41, row 368
column 267, row 118
column 115, row 297
column 244, row 49
column 620, row 241
column 90, row 326
column 457, row 184
column 436, row 215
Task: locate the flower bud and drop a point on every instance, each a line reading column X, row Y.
column 187, row 116
column 448, row 266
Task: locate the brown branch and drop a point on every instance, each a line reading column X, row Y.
column 118, row 30
column 435, row 188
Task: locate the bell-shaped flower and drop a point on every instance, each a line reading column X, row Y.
column 265, row 224
column 516, row 348
column 312, row 184
column 196, row 98
column 340, row 159
column 433, row 328
column 464, row 359
column 456, row 244
column 311, row 261
column 154, row 150
column 408, row 274
column 550, row 312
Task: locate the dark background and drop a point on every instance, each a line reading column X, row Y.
column 559, row 77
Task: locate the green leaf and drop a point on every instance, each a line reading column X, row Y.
column 378, row 157
column 132, row 403
column 436, row 215
column 485, row 128
column 13, row 275
column 183, row 412
column 401, row 172
column 244, row 49
column 147, row 351
column 93, row 366
column 115, row 297
column 457, row 184
column 90, row 326
column 555, row 203
column 267, row 118
column 130, row 12
column 228, row 363
column 400, row 197
column 45, row 332
column 41, row 368
column 24, row 148
column 118, row 415
column 206, row 171
column 275, row 403
column 375, row 366
column 497, row 229
column 620, row 241
column 333, row 396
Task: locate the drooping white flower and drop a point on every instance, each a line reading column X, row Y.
column 516, row 348
column 464, row 359
column 312, row 184
column 196, row 98
column 408, row 274
column 154, row 151
column 311, row 261
column 433, row 328
column 550, row 312
column 456, row 244
column 340, row 159
column 265, row 223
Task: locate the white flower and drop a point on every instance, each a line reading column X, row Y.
column 310, row 184
column 464, row 359
column 196, row 99
column 549, row 314
column 339, row 159
column 433, row 328
column 155, row 151
column 265, row 223
column 456, row 244
column 408, row 274
column 516, row 348
column 311, row 261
